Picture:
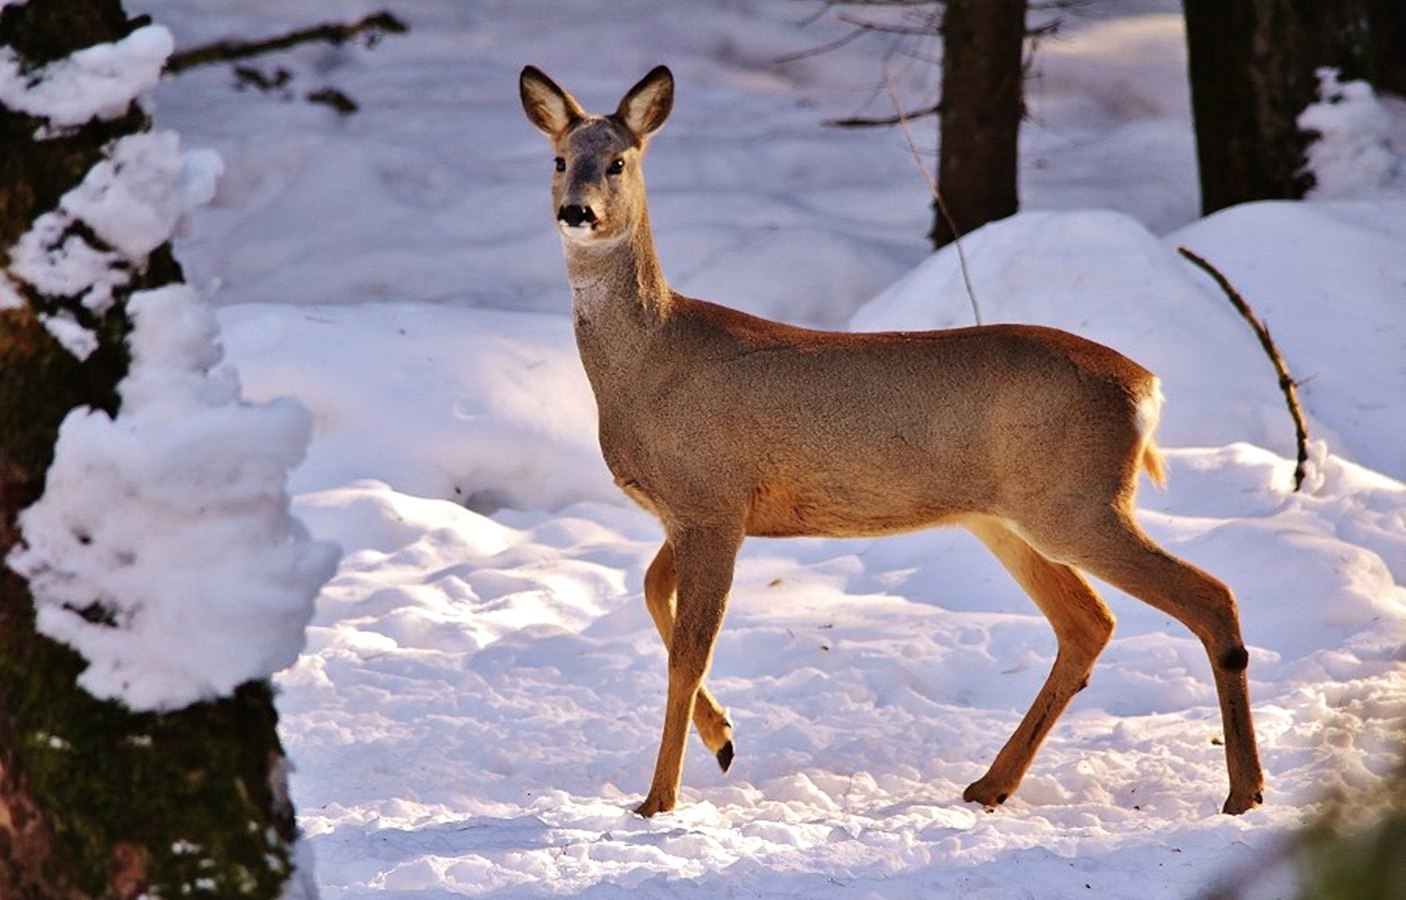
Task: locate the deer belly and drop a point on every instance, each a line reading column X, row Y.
column 792, row 508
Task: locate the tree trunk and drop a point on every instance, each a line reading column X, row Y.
column 1253, row 69
column 97, row 801
column 1387, row 19
column 979, row 123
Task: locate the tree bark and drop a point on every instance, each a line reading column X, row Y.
column 1253, row 69
column 97, row 801
column 979, row 122
column 1387, row 19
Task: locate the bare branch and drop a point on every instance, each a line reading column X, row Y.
column 338, row 101
column 860, row 122
column 374, row 27
column 823, row 48
column 1286, row 382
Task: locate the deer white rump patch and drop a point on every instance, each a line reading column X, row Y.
column 1149, row 410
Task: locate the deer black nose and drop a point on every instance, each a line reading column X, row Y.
column 575, row 215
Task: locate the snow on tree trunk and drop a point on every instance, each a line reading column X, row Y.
column 1351, row 158
column 142, row 508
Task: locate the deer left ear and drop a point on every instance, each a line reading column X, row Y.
column 647, row 104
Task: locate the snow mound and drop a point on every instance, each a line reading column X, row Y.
column 1326, row 278
column 484, row 407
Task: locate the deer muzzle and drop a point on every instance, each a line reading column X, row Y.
column 575, row 215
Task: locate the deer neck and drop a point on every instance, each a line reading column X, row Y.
column 618, row 297
column 622, row 277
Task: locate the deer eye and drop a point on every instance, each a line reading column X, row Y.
column 616, row 167
column 561, row 164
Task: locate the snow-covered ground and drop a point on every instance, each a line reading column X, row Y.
column 478, row 706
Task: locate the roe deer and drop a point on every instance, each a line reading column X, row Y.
column 724, row 425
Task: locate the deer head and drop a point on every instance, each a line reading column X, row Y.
column 598, row 187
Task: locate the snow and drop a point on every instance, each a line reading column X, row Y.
column 100, row 81
column 132, row 200
column 478, row 704
column 74, row 337
column 1352, row 157
column 162, row 548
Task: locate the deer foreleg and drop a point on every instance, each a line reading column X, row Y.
column 704, row 561
column 660, row 593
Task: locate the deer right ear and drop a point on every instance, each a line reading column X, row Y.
column 548, row 107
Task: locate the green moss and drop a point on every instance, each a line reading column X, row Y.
column 190, row 788
column 40, row 382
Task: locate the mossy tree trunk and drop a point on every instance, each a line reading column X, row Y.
column 979, row 119
column 1253, row 70
column 95, row 800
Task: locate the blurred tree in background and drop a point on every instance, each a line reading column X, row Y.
column 984, row 63
column 1253, row 66
column 983, row 76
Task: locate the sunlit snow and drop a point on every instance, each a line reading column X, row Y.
column 478, row 705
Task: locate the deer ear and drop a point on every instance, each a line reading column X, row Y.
column 548, row 107
column 647, row 104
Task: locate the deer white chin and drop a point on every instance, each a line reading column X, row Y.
column 587, row 234
column 580, row 234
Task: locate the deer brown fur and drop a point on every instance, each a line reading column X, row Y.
column 723, row 425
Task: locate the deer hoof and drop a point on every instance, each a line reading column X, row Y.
column 1236, row 804
column 652, row 806
column 725, row 756
column 986, row 796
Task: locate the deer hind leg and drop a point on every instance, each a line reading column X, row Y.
column 1115, row 549
column 705, row 559
column 660, row 595
column 1082, row 624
